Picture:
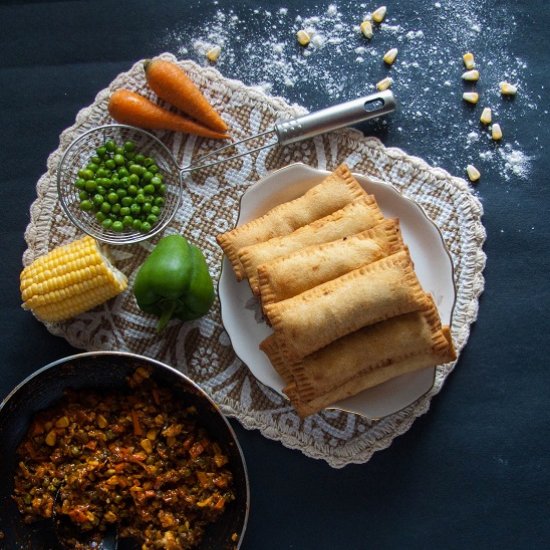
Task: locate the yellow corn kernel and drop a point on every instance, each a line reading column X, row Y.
column 496, row 132
column 470, row 97
column 390, row 55
column 384, row 84
column 146, row 445
column 486, row 116
column 471, row 76
column 51, row 438
column 152, row 435
column 469, row 62
column 473, row 172
column 303, row 37
column 366, row 29
column 508, row 89
column 62, row 422
column 213, row 53
column 379, row 14
column 69, row 280
column 102, row 421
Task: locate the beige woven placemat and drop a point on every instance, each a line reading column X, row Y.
column 210, row 206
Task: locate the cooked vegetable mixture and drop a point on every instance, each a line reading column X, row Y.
column 139, row 460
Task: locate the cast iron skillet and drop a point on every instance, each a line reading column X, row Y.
column 108, row 370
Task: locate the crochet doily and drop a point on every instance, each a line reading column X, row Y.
column 201, row 349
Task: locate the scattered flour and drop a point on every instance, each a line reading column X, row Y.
column 340, row 64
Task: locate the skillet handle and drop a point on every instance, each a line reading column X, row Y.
column 332, row 118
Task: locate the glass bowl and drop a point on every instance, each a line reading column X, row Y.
column 78, row 155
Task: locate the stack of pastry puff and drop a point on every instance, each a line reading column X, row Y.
column 338, row 287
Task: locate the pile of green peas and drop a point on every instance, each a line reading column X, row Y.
column 122, row 188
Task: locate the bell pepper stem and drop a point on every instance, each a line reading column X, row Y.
column 167, row 312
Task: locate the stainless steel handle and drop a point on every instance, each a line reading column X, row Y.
column 335, row 117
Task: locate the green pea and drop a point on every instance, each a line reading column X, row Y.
column 100, row 216
column 101, row 151
column 112, row 197
column 137, row 169
column 83, row 195
column 152, row 219
column 156, row 181
column 93, row 167
column 159, row 201
column 102, row 173
column 110, row 164
column 105, row 207
column 85, row 174
column 149, row 189
column 126, row 201
column 98, row 199
column 153, row 168
column 80, row 183
column 146, row 208
column 148, row 161
column 162, row 189
column 155, row 210
column 127, row 221
column 136, row 224
column 121, row 192
column 90, row 186
column 123, row 172
column 134, row 179
column 130, row 155
column 118, row 226
column 135, row 209
column 140, row 198
column 119, row 150
column 107, row 223
column 147, row 176
column 96, row 160
column 139, row 158
column 119, row 159
column 124, row 210
column 86, row 205
column 132, row 189
column 129, row 145
column 115, row 208
column 101, row 190
column 110, row 146
column 145, row 227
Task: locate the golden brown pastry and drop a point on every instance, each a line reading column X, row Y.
column 363, row 359
column 335, row 191
column 356, row 216
column 304, row 269
column 375, row 292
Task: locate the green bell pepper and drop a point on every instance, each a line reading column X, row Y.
column 174, row 282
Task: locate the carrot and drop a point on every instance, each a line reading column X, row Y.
column 170, row 83
column 128, row 107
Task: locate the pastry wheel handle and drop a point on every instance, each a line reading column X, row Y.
column 332, row 118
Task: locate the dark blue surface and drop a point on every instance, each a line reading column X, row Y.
column 472, row 473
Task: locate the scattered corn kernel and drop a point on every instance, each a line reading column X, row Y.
column 473, row 172
column 471, row 76
column 470, row 97
column 390, row 55
column 62, row 422
column 303, row 38
column 213, row 53
column 146, row 445
column 496, row 132
column 469, row 62
column 384, row 84
column 102, row 421
column 508, row 89
column 379, row 14
column 366, row 29
column 51, row 438
column 486, row 116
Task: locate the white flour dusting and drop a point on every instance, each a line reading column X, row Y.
column 340, row 64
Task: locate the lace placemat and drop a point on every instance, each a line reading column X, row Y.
column 202, row 349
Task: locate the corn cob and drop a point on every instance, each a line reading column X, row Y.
column 69, row 280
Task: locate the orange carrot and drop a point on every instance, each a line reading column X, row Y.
column 128, row 107
column 170, row 83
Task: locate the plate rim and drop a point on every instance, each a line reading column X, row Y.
column 396, row 191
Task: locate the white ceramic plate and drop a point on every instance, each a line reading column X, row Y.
column 241, row 314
